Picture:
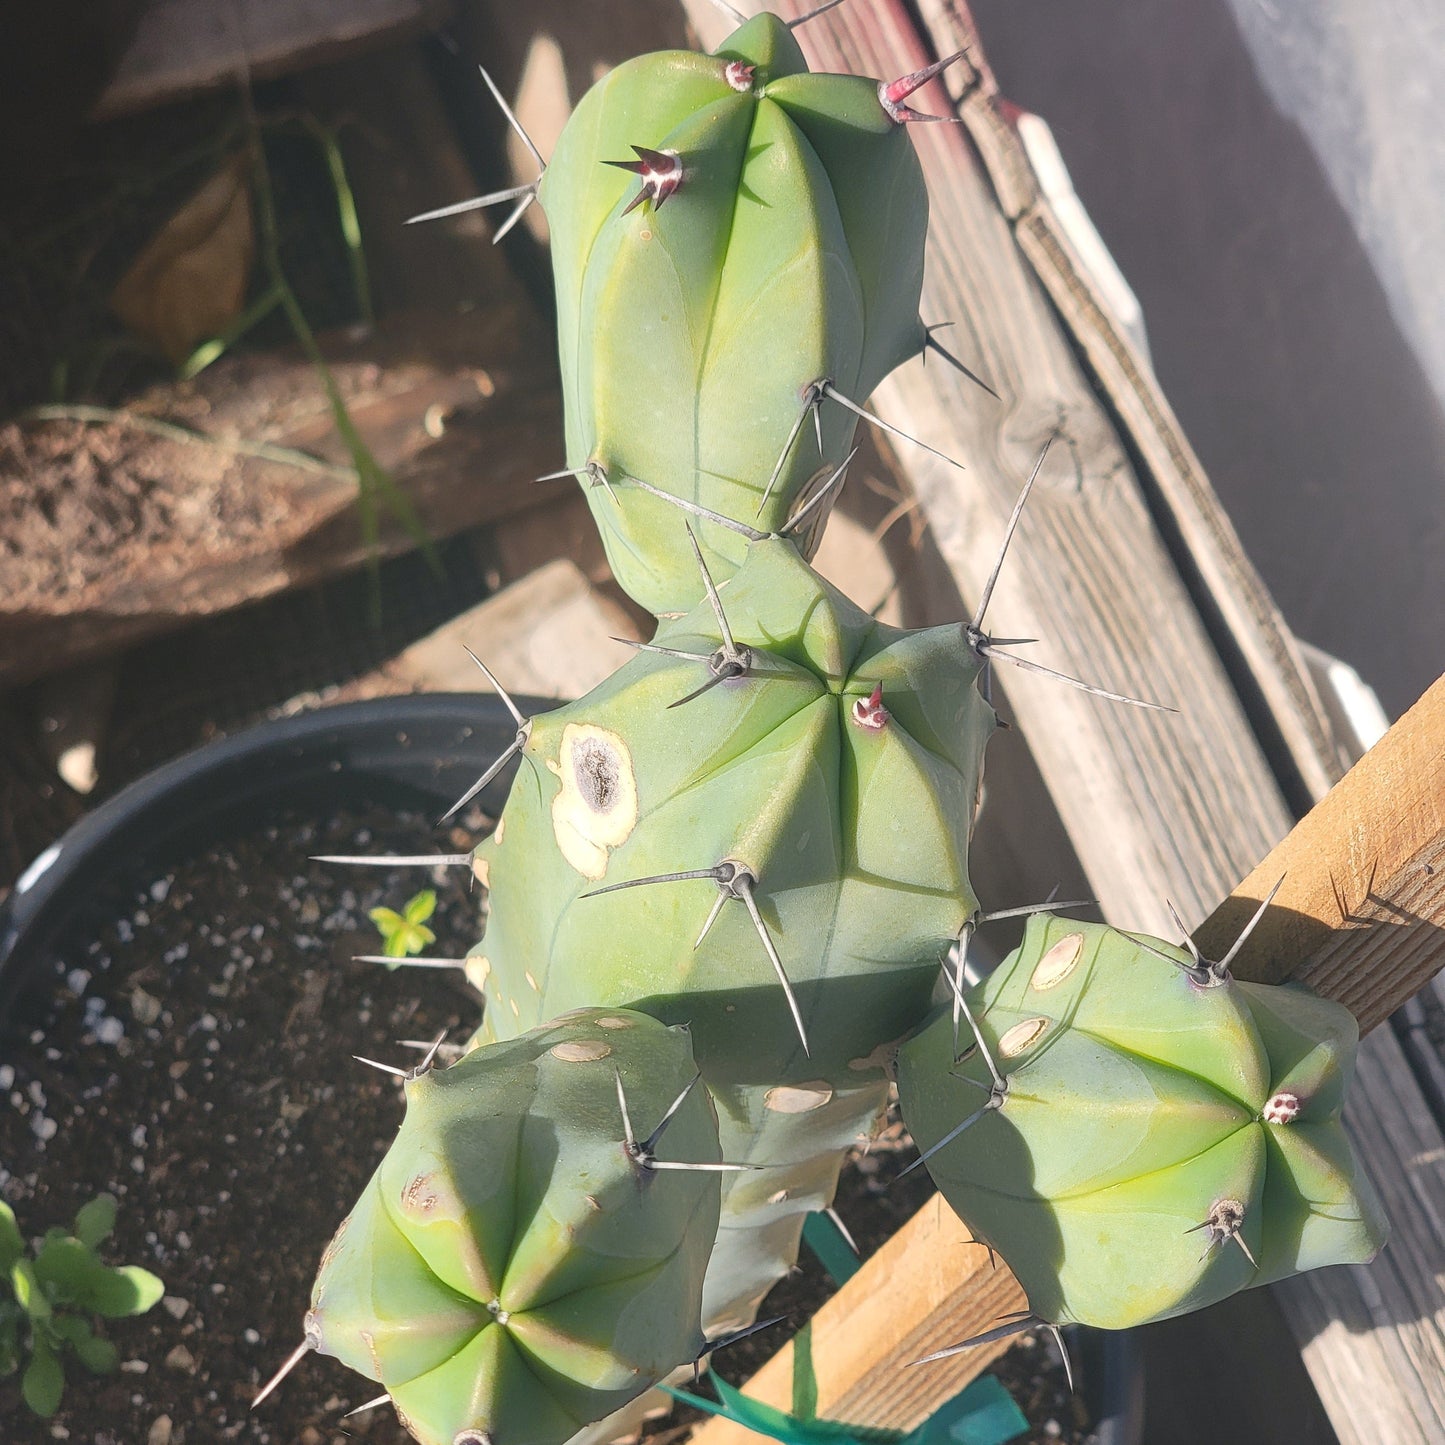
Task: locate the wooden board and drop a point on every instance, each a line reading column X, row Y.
column 462, row 434
column 180, row 47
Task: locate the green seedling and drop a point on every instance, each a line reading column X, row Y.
column 406, row 933
column 49, row 1301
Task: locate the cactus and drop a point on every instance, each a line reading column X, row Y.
column 521, row 1264
column 713, row 344
column 758, row 828
column 802, row 825
column 1136, row 1133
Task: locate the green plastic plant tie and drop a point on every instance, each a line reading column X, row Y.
column 831, row 1250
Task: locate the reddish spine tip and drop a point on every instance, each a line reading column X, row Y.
column 869, row 712
column 739, row 74
column 893, row 93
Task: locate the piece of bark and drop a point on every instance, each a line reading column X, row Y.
column 110, row 532
column 180, row 47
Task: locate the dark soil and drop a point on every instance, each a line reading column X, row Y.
column 195, row 1058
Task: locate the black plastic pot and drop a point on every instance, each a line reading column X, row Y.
column 422, row 751
column 418, row 751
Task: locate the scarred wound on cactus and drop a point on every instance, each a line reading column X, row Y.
column 1141, row 1112
column 796, row 860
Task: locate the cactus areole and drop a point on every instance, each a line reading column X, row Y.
column 723, row 883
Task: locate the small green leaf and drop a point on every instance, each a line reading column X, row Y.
column 129, row 1290
column 421, row 907
column 406, row 934
column 93, row 1351
column 44, row 1381
column 12, row 1243
column 95, row 1220
column 28, row 1291
column 65, row 1267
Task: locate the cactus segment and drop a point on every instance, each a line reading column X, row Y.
column 775, row 244
column 1159, row 1143
column 855, row 836
column 519, row 1265
column 799, row 1135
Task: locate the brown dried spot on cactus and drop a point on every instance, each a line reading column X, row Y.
column 1021, row 1035
column 580, row 1051
column 1058, row 963
column 596, row 807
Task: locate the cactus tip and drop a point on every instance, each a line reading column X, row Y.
column 869, row 712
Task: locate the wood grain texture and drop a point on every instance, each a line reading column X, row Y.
column 1265, row 661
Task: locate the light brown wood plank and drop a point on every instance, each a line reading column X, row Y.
column 862, row 1360
column 1363, row 897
